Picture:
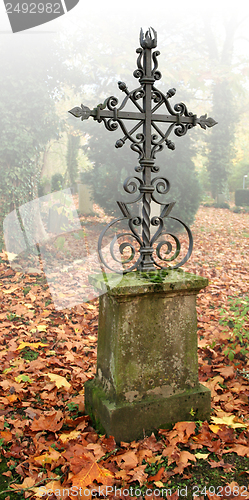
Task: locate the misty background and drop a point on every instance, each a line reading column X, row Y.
column 79, row 58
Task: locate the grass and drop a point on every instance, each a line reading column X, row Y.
column 198, row 480
column 203, row 478
column 6, row 481
column 236, row 320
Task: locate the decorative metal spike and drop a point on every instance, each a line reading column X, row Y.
column 205, row 122
column 149, row 40
column 83, row 112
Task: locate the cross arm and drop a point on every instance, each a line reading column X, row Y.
column 100, row 112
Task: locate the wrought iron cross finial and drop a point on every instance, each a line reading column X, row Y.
column 149, row 141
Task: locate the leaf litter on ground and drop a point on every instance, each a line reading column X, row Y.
column 46, row 356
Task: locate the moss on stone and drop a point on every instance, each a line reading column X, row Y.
column 127, row 421
column 138, row 283
column 147, row 351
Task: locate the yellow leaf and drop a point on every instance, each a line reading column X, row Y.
column 92, row 337
column 7, row 370
column 214, row 428
column 159, row 484
column 33, row 345
column 48, row 458
column 59, row 381
column 11, row 256
column 42, row 328
column 202, row 455
column 23, row 378
column 90, row 306
column 228, row 421
column 71, row 435
column 152, row 460
column 11, row 290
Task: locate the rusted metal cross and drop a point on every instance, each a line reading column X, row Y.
column 150, row 140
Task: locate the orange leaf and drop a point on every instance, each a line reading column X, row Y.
column 94, row 472
column 27, row 483
column 12, row 398
column 185, row 456
column 6, row 435
column 242, row 451
column 2, row 422
column 182, row 431
column 31, row 296
column 226, row 371
column 8, row 473
column 129, row 458
column 49, row 421
column 138, row 474
column 157, row 477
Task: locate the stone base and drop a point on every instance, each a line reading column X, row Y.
column 131, row 421
column 147, row 366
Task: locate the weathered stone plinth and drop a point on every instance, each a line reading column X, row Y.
column 147, row 368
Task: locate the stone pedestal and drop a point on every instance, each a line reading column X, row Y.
column 147, row 367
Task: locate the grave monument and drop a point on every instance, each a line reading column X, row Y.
column 147, row 366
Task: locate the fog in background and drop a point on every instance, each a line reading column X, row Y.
column 79, row 58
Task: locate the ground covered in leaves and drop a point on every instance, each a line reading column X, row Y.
column 49, row 448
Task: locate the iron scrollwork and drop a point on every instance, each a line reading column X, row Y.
column 146, row 251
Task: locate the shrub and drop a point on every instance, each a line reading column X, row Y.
column 224, row 204
column 237, row 210
column 43, row 186
column 208, row 204
column 57, row 182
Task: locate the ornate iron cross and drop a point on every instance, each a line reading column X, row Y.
column 147, row 99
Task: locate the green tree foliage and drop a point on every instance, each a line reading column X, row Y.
column 179, row 169
column 27, row 120
column 110, row 168
column 220, row 140
column 73, row 142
